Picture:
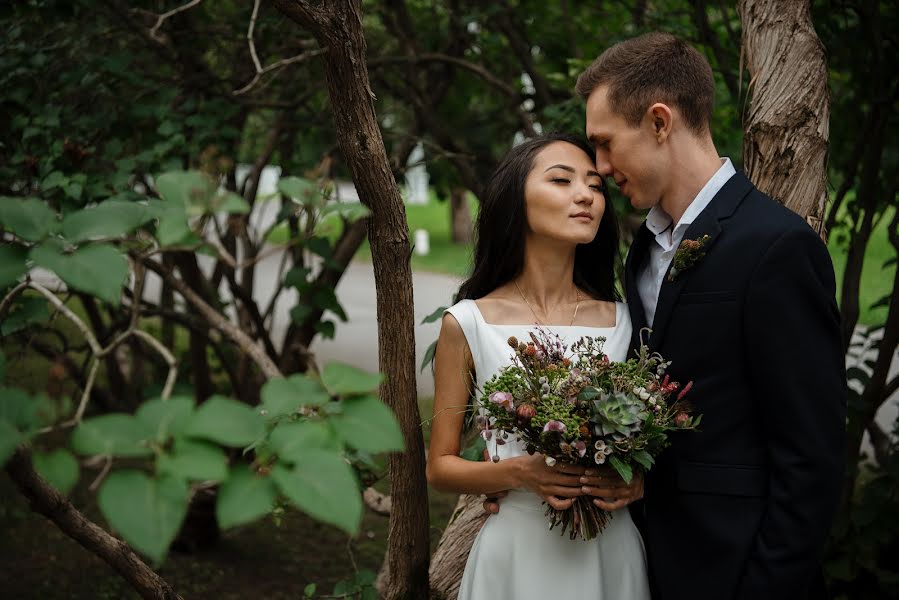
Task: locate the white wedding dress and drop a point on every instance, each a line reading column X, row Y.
column 515, row 555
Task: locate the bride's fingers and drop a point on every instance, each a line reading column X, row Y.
column 559, row 503
column 560, row 491
column 602, row 481
column 610, row 506
column 607, row 491
column 568, row 469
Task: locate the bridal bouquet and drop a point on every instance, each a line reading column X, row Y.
column 574, row 405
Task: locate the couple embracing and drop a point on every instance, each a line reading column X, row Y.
column 736, row 290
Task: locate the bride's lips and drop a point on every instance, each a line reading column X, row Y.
column 582, row 215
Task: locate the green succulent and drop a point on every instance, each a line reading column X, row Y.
column 620, row 414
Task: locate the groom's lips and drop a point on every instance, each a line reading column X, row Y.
column 620, row 184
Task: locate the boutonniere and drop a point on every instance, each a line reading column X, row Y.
column 688, row 254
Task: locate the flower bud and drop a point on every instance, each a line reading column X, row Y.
column 681, row 419
column 526, row 412
column 513, row 342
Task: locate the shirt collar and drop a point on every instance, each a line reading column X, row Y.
column 657, row 220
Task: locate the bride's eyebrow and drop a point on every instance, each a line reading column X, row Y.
column 571, row 170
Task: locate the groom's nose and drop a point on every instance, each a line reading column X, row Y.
column 603, row 164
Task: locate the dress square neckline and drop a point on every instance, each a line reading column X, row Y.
column 480, row 316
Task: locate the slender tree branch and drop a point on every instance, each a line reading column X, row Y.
column 162, row 18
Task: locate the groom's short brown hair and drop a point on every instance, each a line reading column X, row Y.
column 654, row 67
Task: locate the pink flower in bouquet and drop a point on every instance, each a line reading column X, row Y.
column 503, row 399
column 554, row 425
column 681, row 419
column 581, row 448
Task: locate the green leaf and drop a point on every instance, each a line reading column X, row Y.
column 301, row 190
column 309, row 591
column 110, row 219
column 99, row 270
column 324, row 486
column 59, row 468
column 244, row 497
column 173, row 228
column 291, row 441
column 146, row 512
column 231, row 203
column 326, row 299
column 429, row 355
column 299, row 313
column 10, row 438
column 189, row 189
column 284, row 396
column 475, row 451
column 297, row 277
column 194, row 460
column 30, row 219
column 622, row 467
column 25, row 311
column 12, row 264
column 21, row 410
column 367, row 424
column 435, row 316
column 351, row 211
column 643, row 458
column 326, row 328
column 341, row 379
column 227, row 422
column 166, row 417
column 114, row 434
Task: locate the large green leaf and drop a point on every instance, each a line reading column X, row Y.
column 300, row 190
column 25, row 311
column 227, row 422
column 624, row 469
column 291, row 441
column 194, row 460
column 30, row 219
column 115, row 434
column 187, row 188
column 108, row 220
column 12, row 264
column 244, row 497
column 284, row 396
column 99, row 270
column 367, row 424
column 324, row 486
column 146, row 512
column 166, row 417
column 351, row 211
column 59, row 468
column 173, row 227
column 22, row 410
column 10, row 438
column 343, row 379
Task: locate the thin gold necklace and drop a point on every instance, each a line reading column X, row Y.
column 577, row 304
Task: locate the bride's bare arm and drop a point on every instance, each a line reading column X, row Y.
column 446, row 469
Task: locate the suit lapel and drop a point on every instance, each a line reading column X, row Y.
column 707, row 223
column 635, row 257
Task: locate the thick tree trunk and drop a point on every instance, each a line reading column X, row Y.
column 47, row 501
column 338, row 27
column 787, row 123
column 461, row 216
column 449, row 559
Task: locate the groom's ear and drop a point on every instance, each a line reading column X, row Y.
column 661, row 118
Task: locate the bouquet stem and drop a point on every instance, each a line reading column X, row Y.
column 583, row 519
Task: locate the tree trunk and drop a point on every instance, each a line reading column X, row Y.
column 449, row 559
column 787, row 124
column 461, row 216
column 338, row 27
column 47, row 501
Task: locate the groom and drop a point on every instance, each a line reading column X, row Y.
column 738, row 292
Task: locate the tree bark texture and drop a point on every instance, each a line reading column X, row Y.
column 337, row 26
column 786, row 126
column 461, row 216
column 47, row 501
column 451, row 555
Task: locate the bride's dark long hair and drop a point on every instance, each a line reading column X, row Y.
column 502, row 225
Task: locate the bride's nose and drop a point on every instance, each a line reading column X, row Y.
column 583, row 194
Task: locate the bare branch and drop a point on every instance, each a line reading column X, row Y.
column 154, row 32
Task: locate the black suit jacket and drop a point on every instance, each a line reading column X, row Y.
column 742, row 508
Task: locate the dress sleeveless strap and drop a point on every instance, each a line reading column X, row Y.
column 466, row 314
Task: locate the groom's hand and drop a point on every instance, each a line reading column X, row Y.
column 609, row 489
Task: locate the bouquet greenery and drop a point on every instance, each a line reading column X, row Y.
column 575, row 405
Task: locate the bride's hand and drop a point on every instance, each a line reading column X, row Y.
column 609, row 489
column 558, row 485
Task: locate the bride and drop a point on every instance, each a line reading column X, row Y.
column 545, row 255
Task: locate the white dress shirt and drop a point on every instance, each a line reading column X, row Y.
column 651, row 273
